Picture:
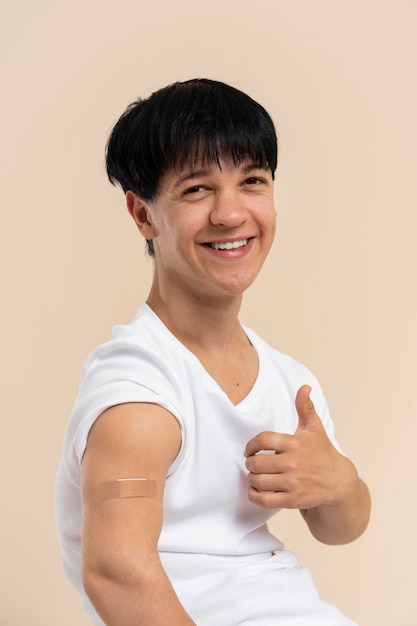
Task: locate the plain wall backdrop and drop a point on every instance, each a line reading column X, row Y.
column 337, row 293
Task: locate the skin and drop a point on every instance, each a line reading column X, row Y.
column 197, row 292
column 308, row 473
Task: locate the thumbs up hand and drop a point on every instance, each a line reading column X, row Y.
column 307, row 416
column 306, row 470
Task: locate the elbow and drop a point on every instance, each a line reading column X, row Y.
column 95, row 586
column 100, row 584
column 109, row 579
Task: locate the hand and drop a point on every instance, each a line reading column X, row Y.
column 306, row 470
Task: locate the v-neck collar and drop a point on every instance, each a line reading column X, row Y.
column 254, row 391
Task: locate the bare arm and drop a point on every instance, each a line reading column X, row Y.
column 122, row 572
column 343, row 521
column 309, row 474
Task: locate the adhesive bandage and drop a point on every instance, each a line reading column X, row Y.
column 127, row 488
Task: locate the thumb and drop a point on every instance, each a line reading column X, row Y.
column 307, row 416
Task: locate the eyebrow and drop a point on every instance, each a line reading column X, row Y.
column 191, row 174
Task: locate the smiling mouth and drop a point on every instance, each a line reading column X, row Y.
column 228, row 245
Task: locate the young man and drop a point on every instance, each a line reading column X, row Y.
column 189, row 432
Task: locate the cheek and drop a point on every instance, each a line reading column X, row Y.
column 269, row 227
column 269, row 219
column 274, row 223
column 161, row 222
column 174, row 234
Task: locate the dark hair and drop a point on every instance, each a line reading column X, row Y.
column 184, row 123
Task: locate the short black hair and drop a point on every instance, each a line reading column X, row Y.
column 198, row 120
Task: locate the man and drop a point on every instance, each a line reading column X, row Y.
column 189, row 432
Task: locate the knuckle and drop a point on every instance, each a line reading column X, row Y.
column 256, row 464
column 262, row 483
column 266, row 439
column 264, row 500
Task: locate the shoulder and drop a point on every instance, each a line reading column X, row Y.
column 135, row 366
column 286, row 376
column 288, row 365
column 138, row 354
column 286, row 373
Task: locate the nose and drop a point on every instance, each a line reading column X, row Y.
column 228, row 210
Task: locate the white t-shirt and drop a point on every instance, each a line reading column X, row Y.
column 215, row 546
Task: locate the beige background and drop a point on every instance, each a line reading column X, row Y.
column 338, row 292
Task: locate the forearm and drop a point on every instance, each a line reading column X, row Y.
column 343, row 521
column 145, row 599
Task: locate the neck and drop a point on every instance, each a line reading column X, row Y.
column 209, row 327
column 201, row 325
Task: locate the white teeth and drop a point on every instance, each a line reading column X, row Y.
column 229, row 245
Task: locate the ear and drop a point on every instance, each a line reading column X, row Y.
column 139, row 210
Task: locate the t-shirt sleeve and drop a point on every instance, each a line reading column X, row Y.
column 117, row 373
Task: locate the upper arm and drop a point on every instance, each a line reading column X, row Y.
column 127, row 441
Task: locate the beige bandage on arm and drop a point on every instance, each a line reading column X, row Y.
column 127, row 488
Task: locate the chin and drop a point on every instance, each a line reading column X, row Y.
column 238, row 288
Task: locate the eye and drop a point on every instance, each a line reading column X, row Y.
column 194, row 189
column 254, row 180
